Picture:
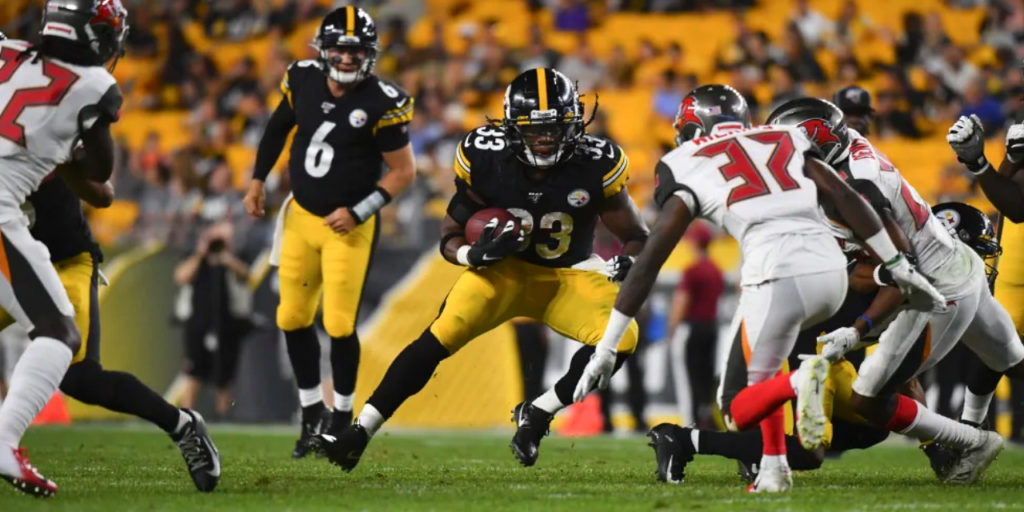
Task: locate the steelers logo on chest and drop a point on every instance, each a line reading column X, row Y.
column 357, row 118
column 578, row 198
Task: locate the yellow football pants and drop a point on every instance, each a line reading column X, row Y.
column 314, row 257
column 575, row 303
column 77, row 274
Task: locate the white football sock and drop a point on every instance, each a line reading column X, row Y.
column 976, row 407
column 34, row 380
column 548, row 402
column 695, row 439
column 928, row 425
column 371, row 419
column 311, row 396
column 344, row 403
column 774, row 461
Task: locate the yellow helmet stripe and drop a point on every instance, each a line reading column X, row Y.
column 350, row 21
column 542, row 88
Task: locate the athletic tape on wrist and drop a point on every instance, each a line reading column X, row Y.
column 370, row 205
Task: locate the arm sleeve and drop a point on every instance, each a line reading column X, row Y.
column 462, row 205
column 274, row 138
column 392, row 129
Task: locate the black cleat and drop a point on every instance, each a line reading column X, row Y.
column 345, row 448
column 532, row 424
column 672, row 450
column 942, row 458
column 201, row 456
column 340, row 420
column 318, row 424
column 747, row 471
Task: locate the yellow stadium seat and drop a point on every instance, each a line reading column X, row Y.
column 136, row 125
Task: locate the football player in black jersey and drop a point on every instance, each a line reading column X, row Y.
column 349, row 123
column 61, row 226
column 539, row 165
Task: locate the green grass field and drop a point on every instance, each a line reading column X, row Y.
column 125, row 468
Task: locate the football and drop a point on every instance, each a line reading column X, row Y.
column 476, row 223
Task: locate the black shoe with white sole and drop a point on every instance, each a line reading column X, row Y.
column 345, row 448
column 532, row 424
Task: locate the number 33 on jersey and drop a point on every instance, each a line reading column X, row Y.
column 336, row 154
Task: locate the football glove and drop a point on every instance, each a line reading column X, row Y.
column 596, row 375
column 914, row 286
column 967, row 138
column 617, row 267
column 489, row 248
column 1015, row 143
column 838, row 342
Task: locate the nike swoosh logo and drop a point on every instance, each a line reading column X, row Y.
column 400, row 103
column 490, row 258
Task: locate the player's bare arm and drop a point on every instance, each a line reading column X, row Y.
column 621, row 216
column 274, row 138
column 402, row 171
column 98, row 144
column 672, row 222
column 96, row 194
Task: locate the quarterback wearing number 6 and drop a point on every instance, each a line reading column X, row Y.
column 349, row 124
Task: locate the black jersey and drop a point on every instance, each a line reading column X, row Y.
column 60, row 223
column 560, row 211
column 336, row 157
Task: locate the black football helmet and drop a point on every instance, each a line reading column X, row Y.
column 543, row 120
column 821, row 121
column 99, row 27
column 347, row 27
column 973, row 228
column 708, row 106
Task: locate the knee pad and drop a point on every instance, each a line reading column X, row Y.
column 291, row 318
column 339, row 325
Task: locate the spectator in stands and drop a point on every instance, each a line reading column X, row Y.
column 852, row 25
column 909, row 45
column 977, row 101
column 799, row 57
column 813, row 27
column 583, row 66
column 214, row 304
column 668, row 94
column 893, row 116
column 786, row 85
column 620, row 69
column 953, row 69
column 537, row 55
column 695, row 303
column 572, row 16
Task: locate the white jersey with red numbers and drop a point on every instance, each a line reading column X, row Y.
column 751, row 182
column 45, row 104
column 948, row 263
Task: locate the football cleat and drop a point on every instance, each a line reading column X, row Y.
column 201, row 456
column 339, row 421
column 346, row 448
column 319, row 424
column 942, row 458
column 975, row 459
column 16, row 469
column 810, row 401
column 673, row 450
column 747, row 471
column 772, row 478
column 532, row 424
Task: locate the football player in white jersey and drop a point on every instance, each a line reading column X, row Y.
column 762, row 185
column 53, row 95
column 954, row 269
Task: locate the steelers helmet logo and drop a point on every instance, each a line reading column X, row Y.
column 950, row 217
column 357, row 118
column 579, row 198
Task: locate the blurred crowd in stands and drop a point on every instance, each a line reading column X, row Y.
column 919, row 88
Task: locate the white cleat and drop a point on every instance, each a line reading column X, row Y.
column 975, row 459
column 775, row 478
column 810, row 401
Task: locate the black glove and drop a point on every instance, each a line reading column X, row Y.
column 618, row 267
column 490, row 248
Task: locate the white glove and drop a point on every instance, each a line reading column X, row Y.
column 596, row 375
column 617, row 267
column 1015, row 143
column 967, row 138
column 915, row 287
column 838, row 343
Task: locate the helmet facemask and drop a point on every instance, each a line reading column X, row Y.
column 544, row 143
column 360, row 57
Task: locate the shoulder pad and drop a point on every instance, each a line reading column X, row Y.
column 483, row 143
column 608, row 159
column 294, row 76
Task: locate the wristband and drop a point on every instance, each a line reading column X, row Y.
column 462, row 255
column 981, row 166
column 370, row 205
column 883, row 246
column 867, row 320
